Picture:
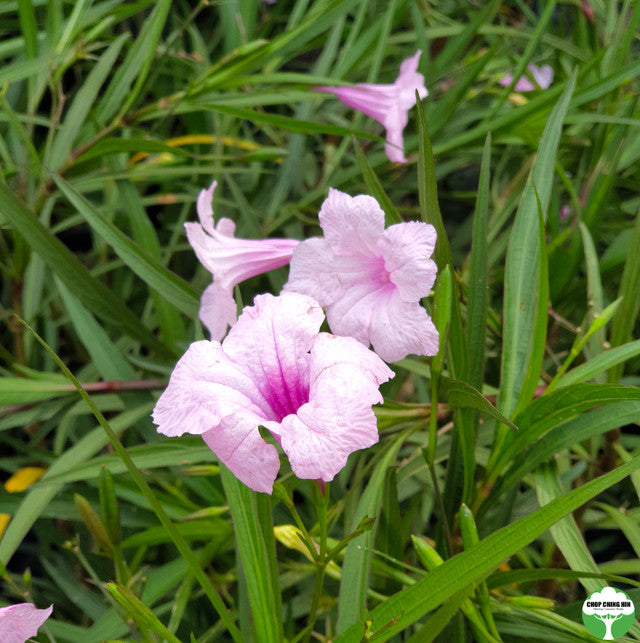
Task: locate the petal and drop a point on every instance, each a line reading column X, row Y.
column 331, row 352
column 351, row 224
column 240, row 447
column 318, row 441
column 318, row 272
column 542, row 75
column 400, row 328
column 206, row 385
column 506, row 80
column 231, row 260
column 408, row 82
column 524, row 85
column 312, row 272
column 217, row 310
column 350, row 315
column 21, row 622
column 272, row 339
column 203, row 206
column 395, row 142
column 338, row 419
column 372, row 100
column 406, row 248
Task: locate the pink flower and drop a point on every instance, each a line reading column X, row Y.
column 230, row 261
column 387, row 104
column 542, row 75
column 313, row 391
column 20, row 622
column 368, row 279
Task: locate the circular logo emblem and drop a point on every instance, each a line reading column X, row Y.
column 608, row 613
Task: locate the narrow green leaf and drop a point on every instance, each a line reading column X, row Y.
column 61, row 261
column 135, row 67
column 456, row 45
column 539, row 339
column 600, row 363
column 596, row 422
column 82, row 104
column 565, row 533
column 287, row 123
column 104, row 354
column 357, row 558
column 555, row 408
column 404, row 608
column 478, row 298
column 627, row 315
column 374, row 186
column 256, row 546
column 163, row 281
column 464, row 395
column 144, row 234
column 19, row 390
column 523, row 261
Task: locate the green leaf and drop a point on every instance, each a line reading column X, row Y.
column 565, row 533
column 478, row 298
column 600, row 363
column 135, row 67
column 92, row 293
column 253, row 524
column 464, row 395
column 407, row 606
column 374, row 186
column 627, row 315
column 82, row 103
column 357, row 558
column 596, row 422
column 555, row 408
column 20, row 390
column 168, row 284
column 523, row 260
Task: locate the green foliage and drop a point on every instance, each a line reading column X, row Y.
column 505, row 485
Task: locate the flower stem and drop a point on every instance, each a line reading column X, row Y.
column 321, row 499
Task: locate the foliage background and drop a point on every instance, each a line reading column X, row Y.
column 114, row 115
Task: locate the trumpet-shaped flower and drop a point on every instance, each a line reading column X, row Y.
column 312, row 391
column 542, row 75
column 230, row 261
column 369, row 280
column 20, row 622
column 387, row 104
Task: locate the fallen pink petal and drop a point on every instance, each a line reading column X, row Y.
column 388, row 104
column 20, row 622
column 230, row 261
column 313, row 391
column 370, row 280
column 542, row 75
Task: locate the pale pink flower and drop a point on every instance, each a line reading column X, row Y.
column 230, row 261
column 369, row 280
column 387, row 104
column 20, row 622
column 542, row 75
column 313, row 391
